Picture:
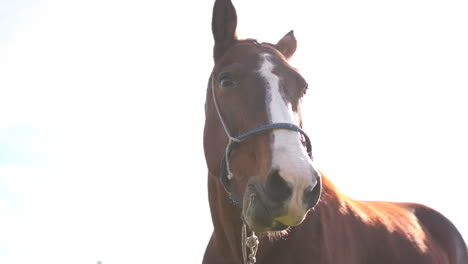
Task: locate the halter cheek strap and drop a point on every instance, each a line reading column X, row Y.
column 225, row 171
column 231, row 139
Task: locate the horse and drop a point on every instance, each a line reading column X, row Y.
column 263, row 184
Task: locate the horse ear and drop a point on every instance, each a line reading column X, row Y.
column 287, row 45
column 223, row 25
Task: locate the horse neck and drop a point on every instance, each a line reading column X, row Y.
column 226, row 221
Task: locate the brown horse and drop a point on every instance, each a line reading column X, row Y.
column 267, row 180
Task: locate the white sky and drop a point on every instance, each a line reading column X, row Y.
column 101, row 116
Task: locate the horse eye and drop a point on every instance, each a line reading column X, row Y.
column 304, row 90
column 227, row 82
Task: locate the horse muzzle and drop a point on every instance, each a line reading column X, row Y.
column 278, row 204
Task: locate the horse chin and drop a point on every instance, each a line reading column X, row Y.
column 276, row 235
column 278, row 231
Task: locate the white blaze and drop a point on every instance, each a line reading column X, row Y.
column 289, row 154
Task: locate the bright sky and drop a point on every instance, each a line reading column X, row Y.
column 101, row 116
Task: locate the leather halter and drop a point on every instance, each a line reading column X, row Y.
column 225, row 172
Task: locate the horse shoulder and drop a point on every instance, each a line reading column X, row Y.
column 392, row 233
column 443, row 232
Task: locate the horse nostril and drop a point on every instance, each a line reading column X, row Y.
column 312, row 195
column 278, row 189
column 308, row 193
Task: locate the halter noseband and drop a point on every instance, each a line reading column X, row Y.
column 225, row 171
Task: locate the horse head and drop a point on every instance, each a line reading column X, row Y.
column 252, row 85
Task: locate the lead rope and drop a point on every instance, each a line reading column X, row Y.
column 231, row 139
column 250, row 242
